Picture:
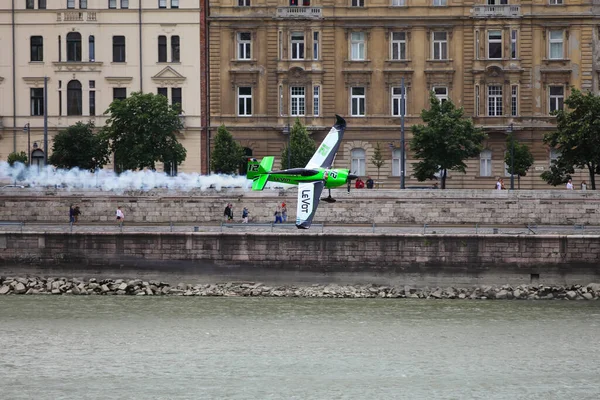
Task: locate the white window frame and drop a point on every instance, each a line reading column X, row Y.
column 514, row 49
column 297, row 101
column 358, row 164
column 440, row 3
column 477, row 100
column 243, row 3
column 441, row 93
column 398, row 3
column 357, row 46
column 396, row 102
column 316, row 100
column 244, row 46
column 316, row 42
column 495, row 101
column 494, row 41
column 556, row 2
column 514, row 100
column 247, row 102
column 441, row 45
column 556, row 41
column 298, row 48
column 485, row 163
column 359, row 100
column 477, row 44
column 280, row 100
column 558, row 101
column 396, row 160
column 358, row 3
column 398, row 42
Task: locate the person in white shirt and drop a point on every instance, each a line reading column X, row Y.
column 498, row 184
column 120, row 215
column 570, row 185
column 583, row 185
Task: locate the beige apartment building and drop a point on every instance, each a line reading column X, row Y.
column 91, row 52
column 508, row 63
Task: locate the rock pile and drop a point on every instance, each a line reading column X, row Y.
column 64, row 286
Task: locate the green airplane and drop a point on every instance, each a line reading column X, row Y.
column 311, row 180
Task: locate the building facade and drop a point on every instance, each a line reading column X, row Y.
column 508, row 65
column 91, row 52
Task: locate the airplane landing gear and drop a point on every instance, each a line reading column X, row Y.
column 329, row 199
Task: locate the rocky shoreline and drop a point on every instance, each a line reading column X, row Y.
column 138, row 287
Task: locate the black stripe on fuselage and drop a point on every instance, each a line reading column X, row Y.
column 296, row 171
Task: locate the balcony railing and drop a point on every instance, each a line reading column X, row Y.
column 299, row 12
column 76, row 16
column 497, row 11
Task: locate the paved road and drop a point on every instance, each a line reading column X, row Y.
column 290, row 228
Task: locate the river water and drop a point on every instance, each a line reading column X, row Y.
column 102, row 347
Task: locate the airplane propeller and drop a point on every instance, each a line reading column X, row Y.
column 349, row 180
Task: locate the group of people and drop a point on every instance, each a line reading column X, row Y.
column 360, row 184
column 74, row 214
column 583, row 185
column 280, row 214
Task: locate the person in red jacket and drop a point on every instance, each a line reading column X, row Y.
column 359, row 183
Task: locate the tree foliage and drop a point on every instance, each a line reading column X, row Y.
column 523, row 159
column 577, row 137
column 302, row 147
column 142, row 130
column 377, row 159
column 445, row 142
column 227, row 153
column 15, row 157
column 78, row 146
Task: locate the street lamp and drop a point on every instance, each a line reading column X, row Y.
column 27, row 129
column 512, row 157
column 286, row 131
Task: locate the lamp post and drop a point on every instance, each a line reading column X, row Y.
column 27, row 129
column 286, row 131
column 512, row 157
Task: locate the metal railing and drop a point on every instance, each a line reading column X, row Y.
column 498, row 11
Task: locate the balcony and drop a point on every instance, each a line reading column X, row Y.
column 76, row 16
column 497, row 11
column 299, row 12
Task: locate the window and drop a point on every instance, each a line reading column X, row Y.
column 494, row 101
column 513, row 44
column 557, row 96
column 175, row 49
column 119, row 93
column 297, row 101
column 176, row 100
column 174, row 3
column 118, row 48
column 83, row 4
column 244, row 40
column 398, row 3
column 92, row 95
column 556, row 2
column 315, row 45
column 74, row 98
column 485, row 163
column 556, row 45
column 60, row 112
column 441, row 93
column 297, row 46
column 59, row 49
column 73, row 46
column 398, row 45
column 112, row 3
column 280, row 100
column 70, row 3
column 162, row 3
column 494, row 45
column 244, row 3
column 358, row 162
column 398, row 104
column 514, row 100
column 244, row 101
column 396, row 160
column 358, row 3
column 163, row 91
column 92, row 48
column 29, row 4
column 162, row 49
column 357, row 101
column 440, row 46
column 477, row 45
column 554, row 155
column 357, row 46
column 439, row 3
column 42, row 4
column 496, row 2
column 316, row 100
column 37, row 101
column 506, row 166
column 124, row 3
column 37, row 48
column 477, row 101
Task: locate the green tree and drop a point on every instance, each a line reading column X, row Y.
column 78, row 146
column 377, row 160
column 227, row 153
column 523, row 159
column 445, row 142
column 15, row 157
column 577, row 137
column 301, row 145
column 142, row 130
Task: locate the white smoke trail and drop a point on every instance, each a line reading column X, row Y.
column 75, row 178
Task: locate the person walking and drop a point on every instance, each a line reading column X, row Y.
column 76, row 214
column 583, row 185
column 283, row 212
column 278, row 214
column 570, row 184
column 245, row 216
column 228, row 213
column 120, row 216
column 71, row 214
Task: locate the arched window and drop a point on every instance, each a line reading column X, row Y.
column 73, row 46
column 485, row 163
column 358, row 162
column 37, row 158
column 74, row 106
column 92, row 48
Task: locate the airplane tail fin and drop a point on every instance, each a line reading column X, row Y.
column 259, row 172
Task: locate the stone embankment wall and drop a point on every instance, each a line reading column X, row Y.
column 559, row 207
column 391, row 258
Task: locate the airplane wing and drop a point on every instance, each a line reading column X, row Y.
column 309, row 195
column 326, row 152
